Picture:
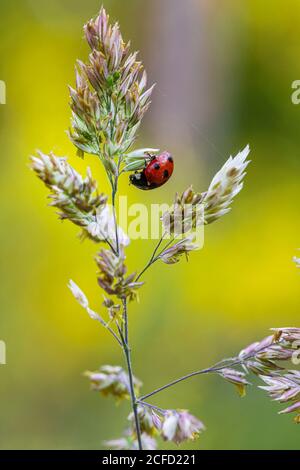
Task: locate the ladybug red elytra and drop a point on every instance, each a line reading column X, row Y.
column 156, row 172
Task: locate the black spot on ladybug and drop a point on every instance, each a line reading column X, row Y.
column 157, row 166
column 166, row 174
column 170, row 159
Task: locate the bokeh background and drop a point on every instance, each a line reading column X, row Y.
column 224, row 71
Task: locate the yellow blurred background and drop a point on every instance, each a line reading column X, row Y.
column 224, row 71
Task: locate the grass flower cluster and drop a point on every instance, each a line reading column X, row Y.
column 108, row 102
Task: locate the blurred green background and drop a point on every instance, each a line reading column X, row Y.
column 224, row 71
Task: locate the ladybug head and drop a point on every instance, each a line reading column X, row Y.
column 139, row 180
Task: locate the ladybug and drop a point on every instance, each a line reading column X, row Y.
column 156, row 172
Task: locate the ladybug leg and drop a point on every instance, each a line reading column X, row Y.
column 151, row 156
column 146, row 162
